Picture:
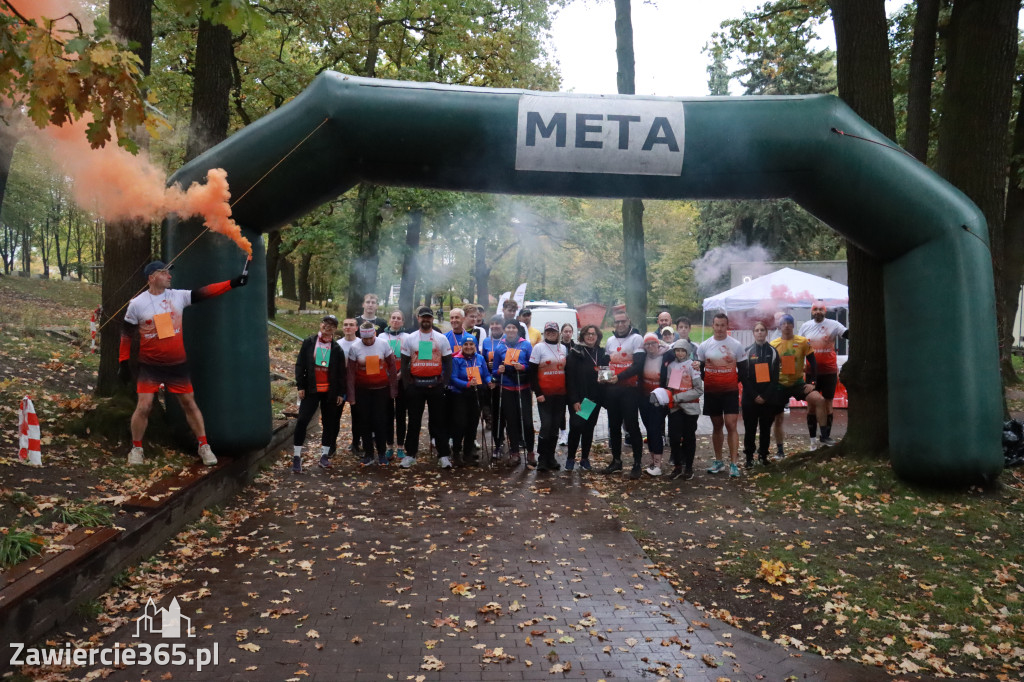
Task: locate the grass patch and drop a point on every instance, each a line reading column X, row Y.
column 18, row 545
column 88, row 515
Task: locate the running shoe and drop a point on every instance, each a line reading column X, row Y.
column 616, row 465
column 408, row 461
column 531, row 460
column 734, row 471
column 653, row 471
column 296, row 464
column 513, row 459
column 688, row 474
column 389, row 454
column 400, row 454
column 446, row 462
column 570, row 464
column 677, row 473
column 717, row 467
column 813, row 445
column 585, row 464
column 136, row 456
column 563, row 437
column 325, row 462
column 826, row 441
column 367, row 460
column 206, row 454
column 636, row 472
column 382, row 459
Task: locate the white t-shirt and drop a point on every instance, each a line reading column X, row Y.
column 550, row 361
column 822, row 338
column 345, row 344
column 357, row 362
column 143, row 310
column 621, row 352
column 440, row 348
column 720, row 358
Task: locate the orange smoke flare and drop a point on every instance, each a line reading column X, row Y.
column 120, row 186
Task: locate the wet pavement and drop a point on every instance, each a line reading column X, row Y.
column 380, row 573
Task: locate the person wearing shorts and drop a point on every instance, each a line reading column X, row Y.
column 722, row 360
column 156, row 315
column 794, row 352
column 822, row 334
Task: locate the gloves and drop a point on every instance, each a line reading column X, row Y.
column 239, row 281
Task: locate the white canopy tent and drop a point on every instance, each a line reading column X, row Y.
column 780, row 290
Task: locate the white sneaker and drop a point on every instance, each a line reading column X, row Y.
column 814, row 444
column 136, row 456
column 206, row 454
column 654, row 470
column 446, row 462
column 563, row 437
column 407, row 461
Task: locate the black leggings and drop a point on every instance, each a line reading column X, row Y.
column 396, row 417
column 416, row 399
column 550, row 411
column 682, row 438
column 517, row 407
column 757, row 418
column 654, row 420
column 329, row 416
column 622, row 405
column 372, row 404
column 465, row 414
column 581, row 433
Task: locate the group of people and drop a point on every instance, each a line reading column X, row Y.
column 496, row 373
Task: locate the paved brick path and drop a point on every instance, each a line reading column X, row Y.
column 368, row 559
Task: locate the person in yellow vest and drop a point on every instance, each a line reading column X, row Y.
column 793, row 351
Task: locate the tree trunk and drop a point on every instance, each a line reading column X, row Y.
column 289, row 288
column 8, row 142
column 362, row 273
column 273, row 257
column 126, row 244
column 919, row 87
column 211, row 89
column 865, row 83
column 410, row 267
column 482, row 273
column 973, row 149
column 634, row 258
column 304, row 292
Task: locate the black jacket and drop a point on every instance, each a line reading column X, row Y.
column 581, row 374
column 305, row 368
column 765, row 353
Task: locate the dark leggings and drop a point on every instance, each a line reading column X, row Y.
column 372, row 404
column 581, row 434
column 622, row 405
column 517, row 407
column 497, row 418
column 682, row 438
column 416, row 399
column 654, row 420
column 465, row 412
column 550, row 410
column 329, row 414
column 757, row 418
column 396, row 417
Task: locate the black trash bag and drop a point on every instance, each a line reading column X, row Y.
column 1013, row 443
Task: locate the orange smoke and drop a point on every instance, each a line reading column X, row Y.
column 55, row 9
column 120, row 186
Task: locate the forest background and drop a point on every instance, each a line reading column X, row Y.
column 940, row 77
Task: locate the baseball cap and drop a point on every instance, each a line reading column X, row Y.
column 155, row 266
column 330, row 318
column 549, row 326
column 424, row 310
column 667, row 330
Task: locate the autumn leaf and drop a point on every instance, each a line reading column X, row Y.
column 432, row 663
column 249, row 646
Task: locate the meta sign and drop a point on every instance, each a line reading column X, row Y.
column 596, row 135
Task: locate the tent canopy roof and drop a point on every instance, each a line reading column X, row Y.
column 785, row 288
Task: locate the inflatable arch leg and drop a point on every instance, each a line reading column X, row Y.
column 944, row 385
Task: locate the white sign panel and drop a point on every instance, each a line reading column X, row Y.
column 594, row 135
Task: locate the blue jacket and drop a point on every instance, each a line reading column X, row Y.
column 460, row 377
column 512, row 378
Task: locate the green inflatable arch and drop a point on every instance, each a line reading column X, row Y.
column 944, row 387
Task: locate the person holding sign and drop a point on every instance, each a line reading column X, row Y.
column 547, row 376
column 584, row 392
column 683, row 382
column 721, row 358
column 320, row 379
column 793, row 351
column 426, row 371
column 372, row 382
column 760, row 394
column 467, row 393
column 156, row 315
column 511, row 358
column 393, row 335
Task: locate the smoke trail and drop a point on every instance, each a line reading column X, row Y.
column 714, row 265
column 120, row 186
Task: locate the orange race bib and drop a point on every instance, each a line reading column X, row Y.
column 789, row 364
column 762, row 373
column 373, row 364
column 164, row 325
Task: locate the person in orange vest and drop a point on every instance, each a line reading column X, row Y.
column 320, row 379
column 625, row 350
column 372, row 382
column 426, row 372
